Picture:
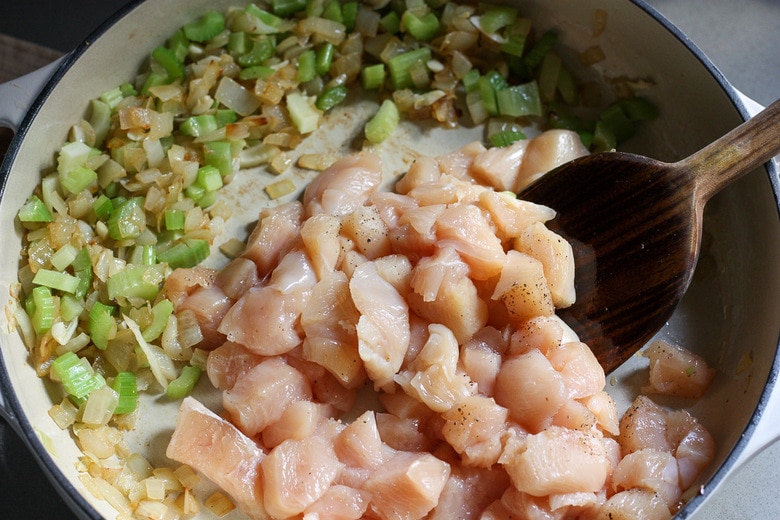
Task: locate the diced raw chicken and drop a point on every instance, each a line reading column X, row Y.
column 365, row 227
column 557, row 259
column 473, row 428
column 329, row 323
column 644, row 426
column 395, row 270
column 581, row 371
column 260, row 397
column 468, row 492
column 237, row 277
column 320, row 235
column 457, row 306
column 558, row 460
column 481, row 358
column 298, row 421
column 499, row 167
column 392, row 206
column 575, row 416
column 221, row 452
column 432, row 272
column 694, row 446
column 546, row 151
column 676, row 371
column 440, row 193
column 298, row 473
column 266, row 320
column 209, row 304
column 344, row 186
column 531, row 389
column 523, row 288
column 407, row 486
column 458, row 163
column 184, row 281
column 276, row 232
column 542, row 333
column 423, row 170
column 423, row 219
column 633, row 504
column 467, row 229
column 650, row 469
column 339, row 503
column 359, row 444
column 404, row 433
column 523, row 505
column 433, row 378
column 512, row 215
column 383, row 327
column 228, row 363
column 294, row 274
column 604, row 409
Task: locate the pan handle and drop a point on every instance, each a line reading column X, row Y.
column 17, row 95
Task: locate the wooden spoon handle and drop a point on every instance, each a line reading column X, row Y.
column 743, row 149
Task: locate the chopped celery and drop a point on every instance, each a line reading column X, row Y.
column 324, row 57
column 102, row 206
column 287, row 7
column 100, row 119
column 264, row 16
column 304, row 114
column 423, row 27
column 506, row 137
column 70, row 307
column 82, row 261
column 73, row 155
column 219, row 155
column 391, row 22
column 63, row 257
column 102, row 326
column 471, row 80
column 187, row 253
column 77, row 377
column 44, row 309
column 332, row 11
column 603, row 138
column 206, row 27
column 85, row 282
column 331, row 97
column 127, row 220
column 209, row 178
column 349, row 11
column 112, row 97
column 619, row 124
column 207, row 199
column 400, row 65
column 126, row 386
column 161, row 313
column 489, row 86
column 373, row 76
column 225, row 116
column 638, row 108
column 194, row 192
column 263, row 48
column 127, row 89
column 255, row 72
column 182, row 386
column 197, row 126
column 497, row 17
column 384, row 122
column 239, row 43
column 549, row 73
column 56, row 280
column 537, row 53
column 34, row 210
column 77, row 179
column 179, row 44
column 174, row 219
column 173, row 66
column 136, row 281
column 520, row 100
column 143, row 255
column 154, row 79
column 307, row 66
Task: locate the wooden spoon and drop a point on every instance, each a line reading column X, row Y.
column 635, row 226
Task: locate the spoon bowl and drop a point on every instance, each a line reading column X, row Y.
column 635, row 226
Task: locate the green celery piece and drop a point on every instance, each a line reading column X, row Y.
column 100, row 120
column 390, row 22
column 286, row 8
column 471, row 80
column 399, row 66
column 497, row 17
column 77, row 179
column 161, row 313
column 520, row 100
column 383, row 123
column 126, row 386
column 102, row 206
column 136, row 281
column 423, row 27
column 34, row 210
column 488, row 94
column 264, row 16
column 44, row 309
column 179, row 44
column 186, row 253
column 372, row 77
column 263, row 48
column 516, row 36
column 85, row 283
column 536, row 54
column 56, row 280
column 239, row 43
column 209, row 178
column 112, row 97
column 616, row 120
column 256, row 72
column 324, row 57
column 331, row 97
column 307, row 66
column 173, row 66
column 549, row 74
column 127, row 220
column 77, row 377
column 332, row 11
column 82, row 261
column 638, row 108
column 70, row 307
column 206, row 27
column 63, row 257
column 194, row 192
column 197, row 126
column 603, row 138
column 127, row 89
column 154, row 79
column 225, row 116
column 207, row 199
column 102, row 326
column 506, row 137
column 183, row 385
column 219, row 154
column 349, row 11
column 174, row 219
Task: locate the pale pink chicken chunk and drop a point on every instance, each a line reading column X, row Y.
column 650, row 469
column 345, row 186
column 222, row 453
column 633, row 504
column 546, row 151
column 277, row 230
column 228, row 363
column 676, row 371
column 467, row 229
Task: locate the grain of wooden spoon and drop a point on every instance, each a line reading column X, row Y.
column 635, row 226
